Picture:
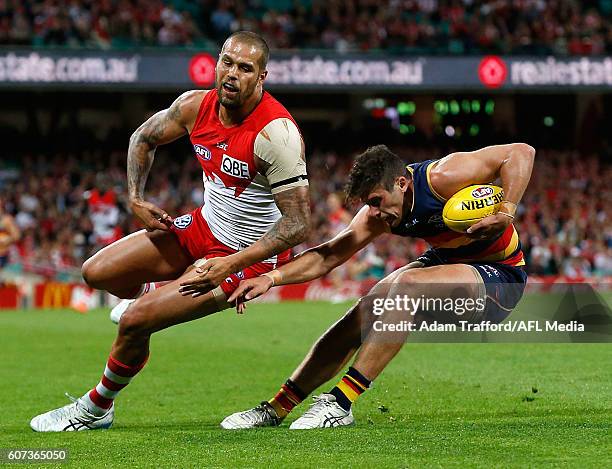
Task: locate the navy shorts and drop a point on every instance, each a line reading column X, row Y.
column 504, row 284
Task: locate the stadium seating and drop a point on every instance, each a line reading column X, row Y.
column 459, row 27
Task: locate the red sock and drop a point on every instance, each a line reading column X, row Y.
column 286, row 399
column 116, row 376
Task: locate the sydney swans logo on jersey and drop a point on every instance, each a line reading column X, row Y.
column 233, row 167
column 183, row 221
column 202, row 152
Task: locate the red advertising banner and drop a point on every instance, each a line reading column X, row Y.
column 9, row 297
column 52, row 295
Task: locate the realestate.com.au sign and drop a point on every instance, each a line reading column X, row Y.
column 333, row 72
column 306, row 71
column 35, row 67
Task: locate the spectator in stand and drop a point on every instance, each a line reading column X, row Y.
column 602, row 260
column 338, row 216
column 222, row 19
column 9, row 234
column 103, row 212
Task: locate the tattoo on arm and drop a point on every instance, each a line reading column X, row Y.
column 163, row 127
column 294, row 226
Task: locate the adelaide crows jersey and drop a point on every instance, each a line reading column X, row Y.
column 425, row 221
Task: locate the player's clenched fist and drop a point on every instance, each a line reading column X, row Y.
column 152, row 217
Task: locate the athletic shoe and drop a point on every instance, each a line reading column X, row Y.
column 325, row 412
column 263, row 415
column 73, row 417
column 117, row 311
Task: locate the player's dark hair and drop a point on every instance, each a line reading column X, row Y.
column 377, row 166
column 256, row 40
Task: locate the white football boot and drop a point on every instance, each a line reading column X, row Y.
column 117, row 311
column 325, row 412
column 263, row 415
column 73, row 417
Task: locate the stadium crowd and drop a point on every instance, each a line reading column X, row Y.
column 69, row 207
column 561, row 27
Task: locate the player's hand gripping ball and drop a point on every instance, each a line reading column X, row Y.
column 470, row 205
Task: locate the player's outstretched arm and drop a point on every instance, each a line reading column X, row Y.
column 318, row 261
column 512, row 163
column 161, row 128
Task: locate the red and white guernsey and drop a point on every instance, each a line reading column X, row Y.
column 238, row 201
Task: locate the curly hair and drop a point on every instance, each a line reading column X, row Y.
column 377, row 166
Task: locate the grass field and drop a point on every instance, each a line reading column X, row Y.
column 443, row 405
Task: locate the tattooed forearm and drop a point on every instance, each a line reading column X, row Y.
column 139, row 163
column 289, row 231
column 161, row 128
column 284, row 234
column 294, row 226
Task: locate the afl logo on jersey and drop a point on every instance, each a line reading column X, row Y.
column 481, row 192
column 183, row 222
column 202, row 152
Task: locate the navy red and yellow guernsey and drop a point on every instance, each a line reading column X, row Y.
column 425, row 221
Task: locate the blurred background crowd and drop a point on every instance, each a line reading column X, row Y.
column 65, row 186
column 69, row 206
column 559, row 27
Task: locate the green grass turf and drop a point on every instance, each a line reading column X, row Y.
column 442, row 404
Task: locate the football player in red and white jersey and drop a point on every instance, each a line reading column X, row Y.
column 256, row 209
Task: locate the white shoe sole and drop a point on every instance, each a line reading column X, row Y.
column 76, row 426
column 293, row 427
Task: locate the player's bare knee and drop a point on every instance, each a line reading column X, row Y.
column 133, row 325
column 86, row 271
column 135, row 322
column 409, row 277
column 94, row 272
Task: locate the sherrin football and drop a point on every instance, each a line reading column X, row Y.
column 470, row 205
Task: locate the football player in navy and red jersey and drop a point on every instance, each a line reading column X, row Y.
column 482, row 267
column 256, row 209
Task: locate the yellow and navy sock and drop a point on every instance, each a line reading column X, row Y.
column 352, row 385
column 287, row 398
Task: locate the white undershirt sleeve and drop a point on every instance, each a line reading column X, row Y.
column 280, row 145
